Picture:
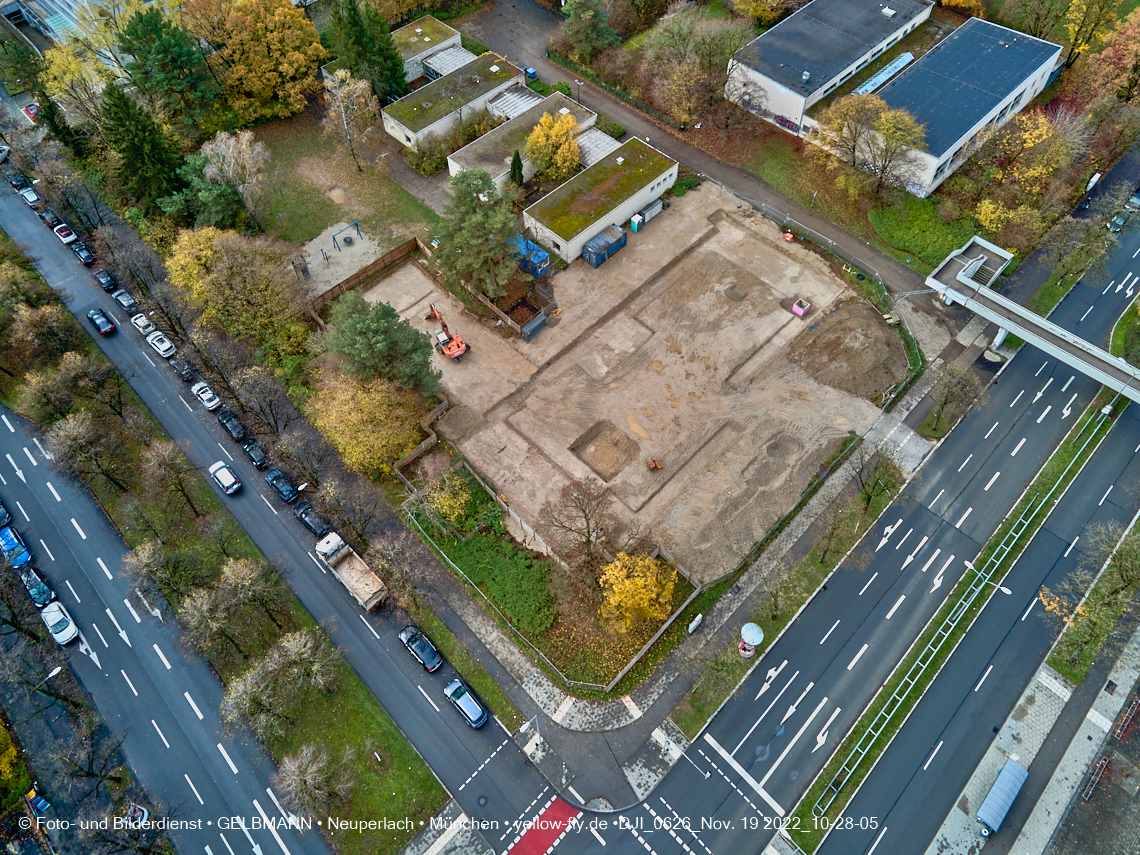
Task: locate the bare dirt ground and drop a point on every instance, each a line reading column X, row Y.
column 329, row 266
column 681, row 348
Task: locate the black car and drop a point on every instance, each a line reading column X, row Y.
column 50, row 218
column 233, row 425
column 86, row 256
column 124, row 299
column 100, row 321
column 19, row 181
column 313, row 521
column 255, row 453
column 420, row 647
column 464, row 700
column 5, row 517
column 38, row 589
column 183, row 369
column 282, row 485
column 106, row 280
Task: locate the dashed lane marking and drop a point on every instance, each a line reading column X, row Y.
column 195, row 789
column 160, row 736
column 484, row 763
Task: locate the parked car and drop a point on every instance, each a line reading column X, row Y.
column 233, row 425
column 30, row 196
column 5, row 517
column 33, row 111
column 15, row 551
column 161, row 345
column 183, row 369
column 1118, row 221
column 205, row 394
column 282, row 485
column 59, row 623
column 38, row 589
column 4, row 151
column 106, row 279
column 50, row 218
column 100, row 321
column 420, row 647
column 143, row 324
column 86, row 256
column 64, row 233
column 313, row 521
column 255, row 453
column 18, row 180
column 461, row 697
column 124, row 299
column 225, row 477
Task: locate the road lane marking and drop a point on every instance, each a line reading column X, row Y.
column 936, row 498
column 19, row 473
column 160, row 736
column 319, row 564
column 1044, row 413
column 370, row 629
column 226, row 453
column 160, row 656
column 53, row 492
column 1071, row 545
column 25, row 513
column 1032, row 603
column 969, row 457
column 273, row 830
column 193, row 705
column 1086, row 314
column 858, row 655
column 187, row 777
column 833, row 626
column 131, row 609
column 227, row 756
column 1042, row 368
column 48, row 551
column 122, row 632
column 78, row 529
column 227, row 843
column 183, row 400
column 1106, row 287
column 46, row 454
column 898, row 603
column 792, row 744
column 792, row 709
column 931, row 757
column 68, row 583
column 30, row 456
column 991, row 430
column 1018, row 398
column 1105, row 496
column 983, row 678
column 1065, row 388
column 578, row 796
column 429, row 700
column 129, row 683
column 904, row 537
column 768, row 710
column 990, row 483
column 821, row 738
column 104, row 566
column 736, row 767
column 8, row 424
column 877, row 839
column 930, row 560
column 147, row 358
column 868, row 585
column 1136, row 253
column 100, row 634
column 1018, row 448
column 910, row 557
column 268, row 505
column 772, row 674
column 594, row 831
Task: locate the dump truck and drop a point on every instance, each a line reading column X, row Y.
column 364, row 585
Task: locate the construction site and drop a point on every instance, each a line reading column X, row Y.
column 688, row 349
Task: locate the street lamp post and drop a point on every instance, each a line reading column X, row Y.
column 54, row 671
column 1001, row 588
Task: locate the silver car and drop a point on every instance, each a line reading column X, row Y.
column 161, row 344
column 59, row 623
column 206, row 395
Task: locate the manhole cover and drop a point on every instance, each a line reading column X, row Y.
column 482, row 801
column 735, row 294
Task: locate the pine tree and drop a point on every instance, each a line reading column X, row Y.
column 166, row 65
column 360, row 37
column 474, row 234
column 516, row 169
column 148, row 161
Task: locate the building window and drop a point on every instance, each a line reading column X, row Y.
column 555, row 244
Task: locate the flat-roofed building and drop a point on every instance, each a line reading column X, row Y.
column 419, row 40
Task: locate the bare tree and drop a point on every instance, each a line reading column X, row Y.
column 395, row 556
column 308, row 454
column 244, row 580
column 222, row 534
column 350, row 111
column 168, row 471
column 220, row 357
column 873, row 472
column 207, row 619
column 238, row 160
column 17, row 614
column 304, row 659
column 262, row 396
column 310, row 782
column 138, row 516
column 956, row 386
column 89, row 448
column 583, row 525
column 255, row 698
column 97, row 761
column 355, row 506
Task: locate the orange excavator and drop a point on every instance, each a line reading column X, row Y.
column 451, row 346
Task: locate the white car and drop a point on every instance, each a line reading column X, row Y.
column 59, row 623
column 142, row 323
column 206, row 395
column 161, row 344
column 30, row 196
column 225, row 478
column 4, row 150
column 64, row 233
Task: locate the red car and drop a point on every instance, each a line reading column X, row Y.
column 33, row 111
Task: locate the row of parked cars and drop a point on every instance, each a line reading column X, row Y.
column 19, row 558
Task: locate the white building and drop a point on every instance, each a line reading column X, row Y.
column 606, row 194
column 809, row 54
column 422, row 38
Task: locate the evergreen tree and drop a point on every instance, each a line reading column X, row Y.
column 167, row 66
column 474, row 234
column 516, row 169
column 359, row 36
column 148, row 161
column 375, row 342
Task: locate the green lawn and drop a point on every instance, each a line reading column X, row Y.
column 913, row 225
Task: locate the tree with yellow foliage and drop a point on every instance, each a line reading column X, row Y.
column 680, row 89
column 75, row 79
column 1087, row 25
column 372, row 423
column 553, row 146
column 637, row 587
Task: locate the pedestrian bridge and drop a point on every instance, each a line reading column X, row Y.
column 966, row 276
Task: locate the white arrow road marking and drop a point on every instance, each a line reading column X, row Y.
column 229, row 762
column 769, row 709
column 104, row 568
column 256, row 848
column 47, row 456
column 19, row 473
column 858, row 655
column 8, row 424
column 131, row 609
column 84, row 647
column 828, row 633
column 792, row 709
column 1123, row 282
column 272, row 830
column 291, row 817
column 748, row 779
column 1018, row 398
column 153, row 611
column 193, row 705
column 938, row 577
column 792, row 744
column 1128, row 291
column 160, row 736
column 898, row 603
column 30, row 456
column 931, row 757
column 78, row 529
column 822, row 738
column 1067, row 410
column 122, row 632
column 990, row 483
column 429, row 700
column 910, row 557
column 195, row 789
column 904, row 537
column 1048, row 382
column 129, row 683
column 887, row 532
column 1044, row 413
column 869, row 581
column 48, row 551
column 53, row 492
column 160, row 656
column 773, row 673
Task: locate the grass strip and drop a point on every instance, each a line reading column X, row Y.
column 1057, row 473
column 1120, row 330
column 1051, row 292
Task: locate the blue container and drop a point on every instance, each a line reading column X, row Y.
column 618, row 238
column 531, row 257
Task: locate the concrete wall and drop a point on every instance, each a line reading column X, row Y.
column 441, row 127
column 414, row 67
column 619, row 216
